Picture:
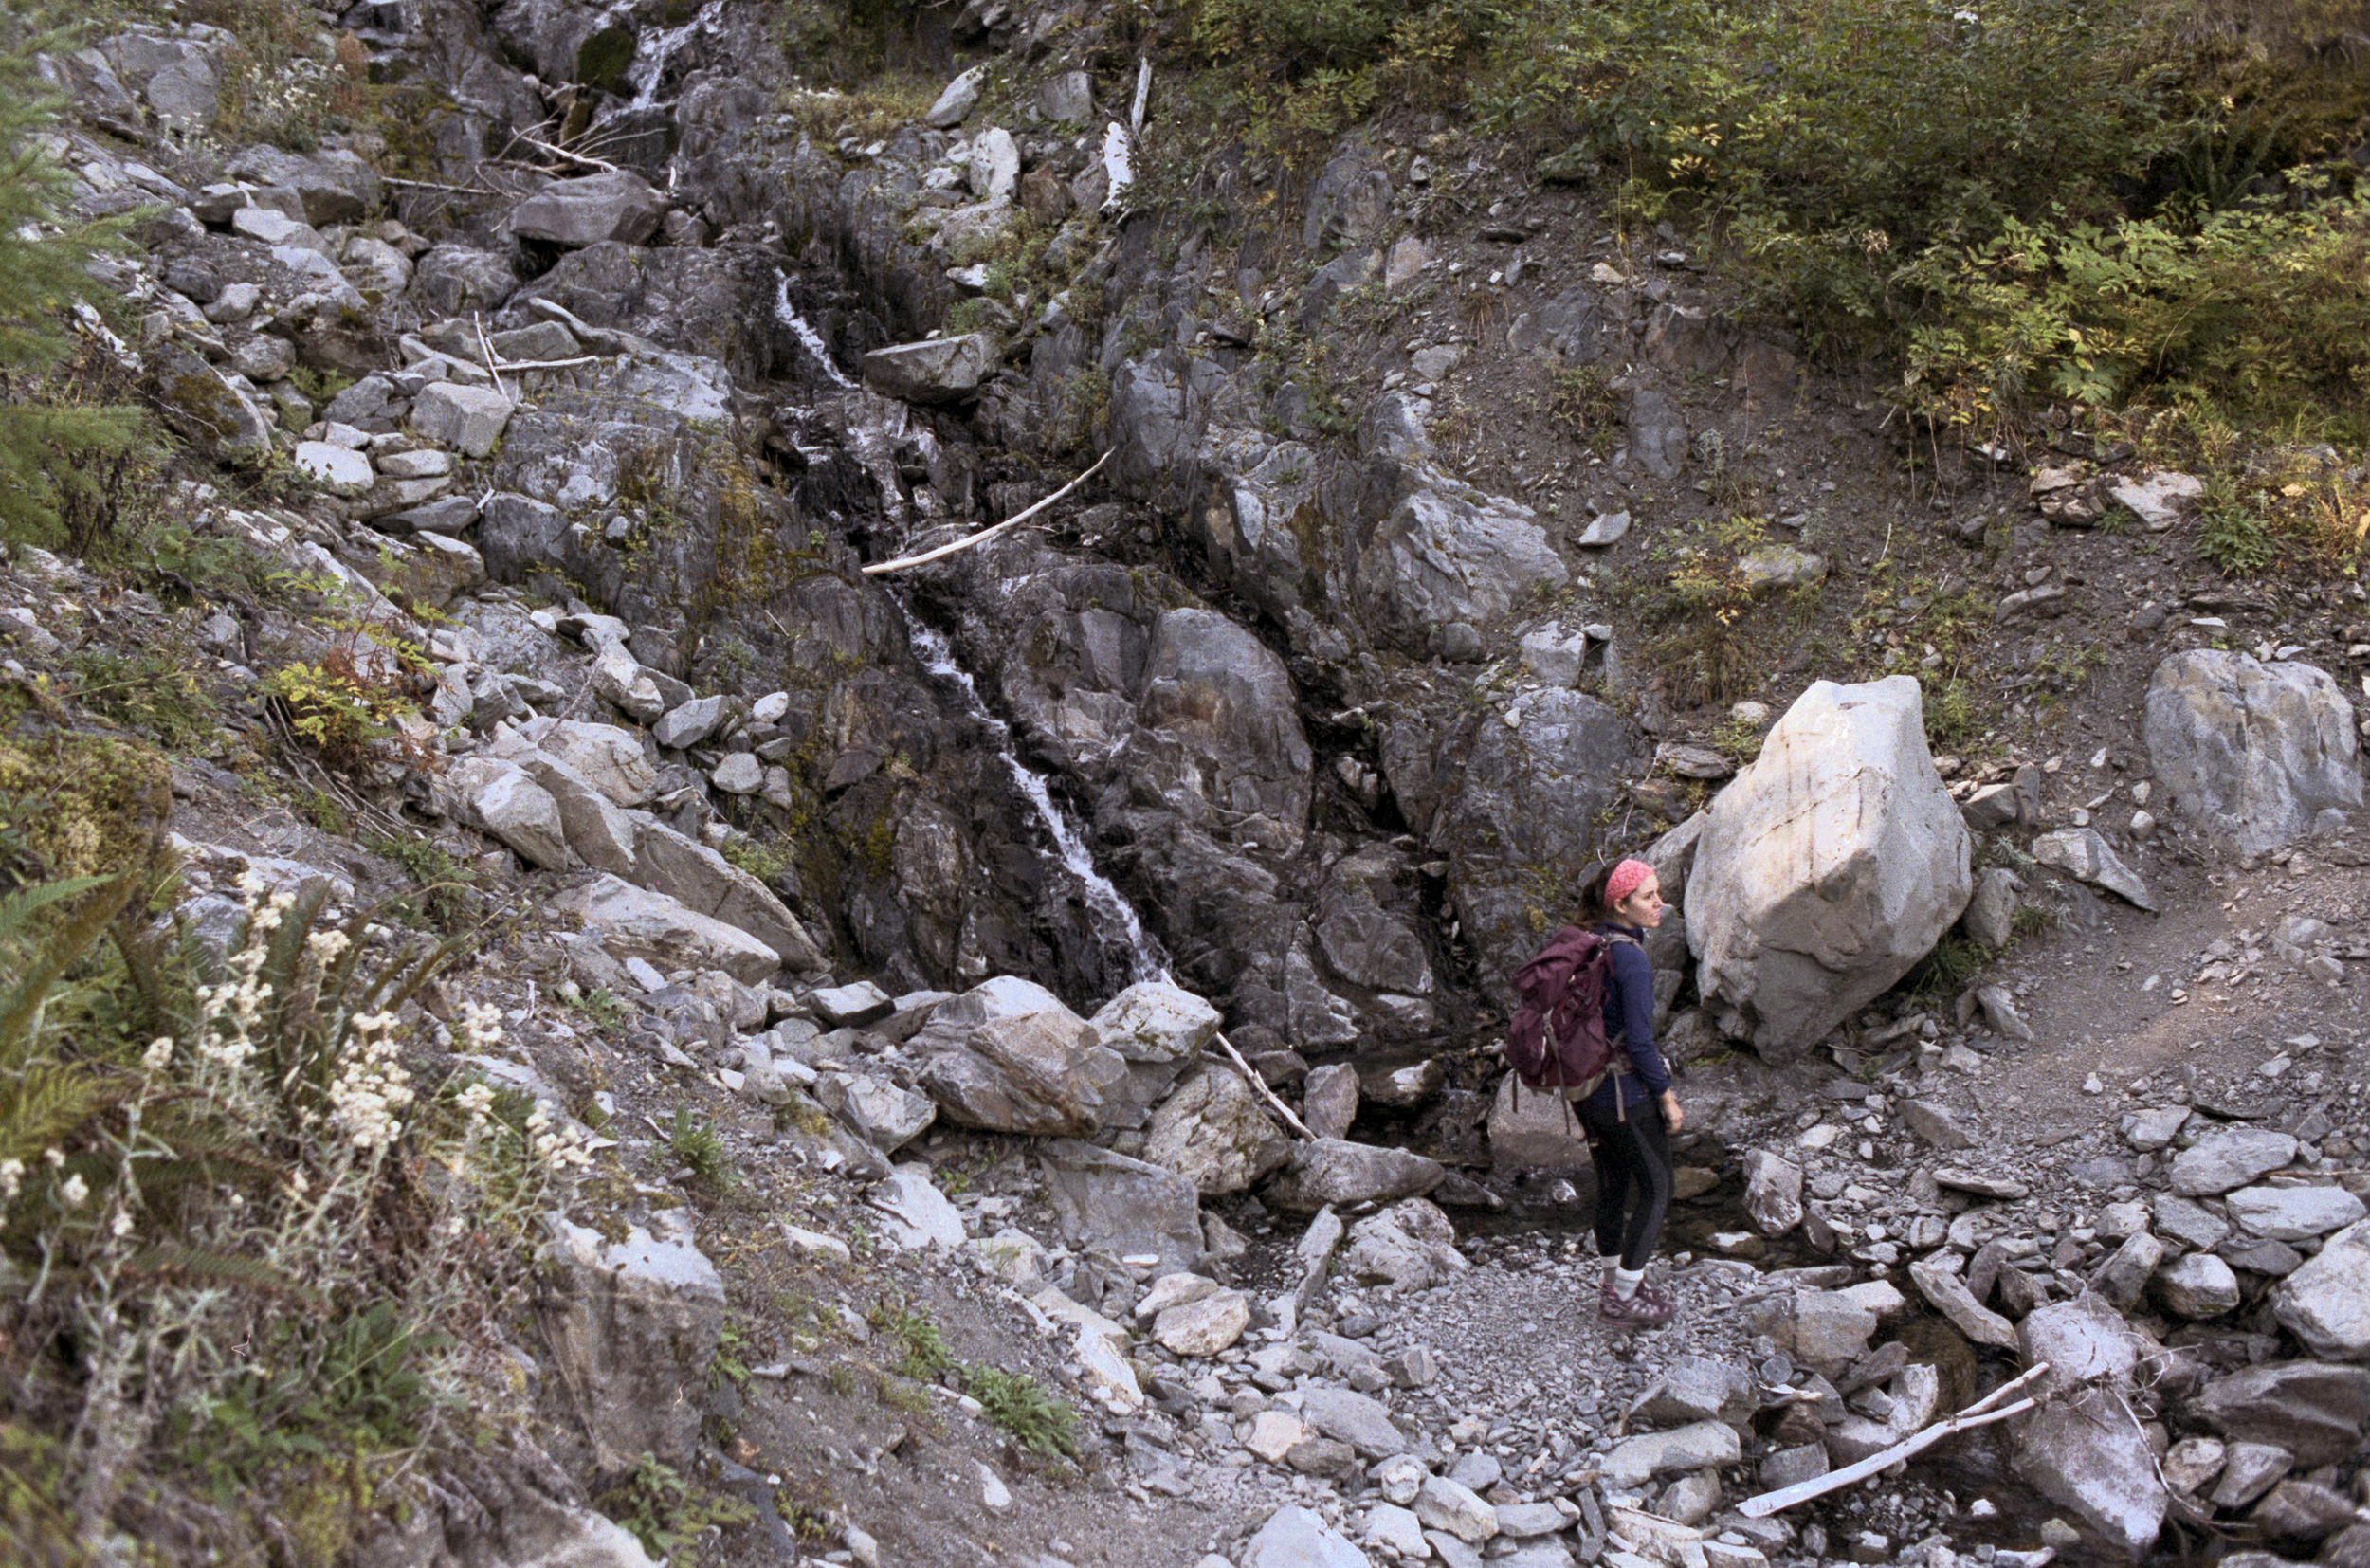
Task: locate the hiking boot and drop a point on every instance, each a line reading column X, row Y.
column 1648, row 1309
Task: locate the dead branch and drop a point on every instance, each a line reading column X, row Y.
column 985, row 533
column 557, row 152
column 486, row 347
column 1259, row 1085
column 1977, row 1414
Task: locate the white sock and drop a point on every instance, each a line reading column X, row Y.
column 1626, row 1281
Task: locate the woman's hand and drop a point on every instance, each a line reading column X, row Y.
column 1673, row 1116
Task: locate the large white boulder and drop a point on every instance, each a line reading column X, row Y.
column 2255, row 753
column 1829, row 867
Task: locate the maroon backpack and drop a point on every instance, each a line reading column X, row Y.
column 1556, row 1040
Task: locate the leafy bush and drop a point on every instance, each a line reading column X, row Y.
column 695, row 1142
column 665, row 1512
column 2265, row 309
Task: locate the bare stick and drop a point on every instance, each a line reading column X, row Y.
column 486, row 348
column 1143, row 94
column 1251, row 1075
column 985, row 533
column 548, row 364
column 1966, row 1420
column 563, row 153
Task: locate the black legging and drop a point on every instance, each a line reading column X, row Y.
column 1633, row 1151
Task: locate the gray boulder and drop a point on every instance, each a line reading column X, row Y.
column 1410, row 1246
column 1533, row 1131
column 1215, row 1132
column 605, row 757
column 2083, row 854
column 634, row 922
column 1295, row 1538
column 958, row 99
column 469, row 419
column 1773, row 1192
column 1447, row 553
column 1128, row 1206
column 631, row 1333
column 1329, row 1100
column 2081, row 1449
column 333, row 186
column 2315, row 1410
column 704, row 881
column 2197, row 1285
column 498, row 799
column 1333, row 1171
column 1033, row 1072
column 2326, row 1303
column 2293, row 1214
column 939, row 370
column 2227, row 1159
column 614, row 205
column 1356, row 1419
column 2257, row 754
column 1829, row 867
column 1159, row 1027
column 1521, row 824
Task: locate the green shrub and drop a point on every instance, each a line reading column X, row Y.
column 2235, row 541
column 697, row 1144
column 1015, row 1402
column 665, row 1512
column 2265, row 309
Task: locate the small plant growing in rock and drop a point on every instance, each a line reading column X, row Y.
column 665, row 1512
column 1015, row 1402
column 697, row 1144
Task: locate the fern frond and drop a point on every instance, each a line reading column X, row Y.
column 43, row 1105
column 170, row 1262
column 19, row 907
column 21, row 1003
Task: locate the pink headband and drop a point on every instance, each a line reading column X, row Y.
column 1626, row 880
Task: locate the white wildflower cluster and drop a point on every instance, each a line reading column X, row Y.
column 477, row 1101
column 159, row 1054
column 480, row 1026
column 565, row 1149
column 12, row 1179
column 237, row 1004
column 326, row 947
column 371, row 1086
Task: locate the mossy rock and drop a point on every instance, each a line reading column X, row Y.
column 76, row 803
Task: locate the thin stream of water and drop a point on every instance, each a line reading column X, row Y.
column 804, row 331
column 650, row 63
column 1146, row 960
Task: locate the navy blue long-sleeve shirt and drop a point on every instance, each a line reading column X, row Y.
column 1630, row 1021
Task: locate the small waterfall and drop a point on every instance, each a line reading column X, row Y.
column 1146, row 960
column 651, row 57
column 804, row 331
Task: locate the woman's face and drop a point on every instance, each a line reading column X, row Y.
column 1643, row 907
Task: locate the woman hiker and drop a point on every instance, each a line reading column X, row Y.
column 1631, row 1114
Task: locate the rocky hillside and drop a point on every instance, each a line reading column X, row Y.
column 607, row 967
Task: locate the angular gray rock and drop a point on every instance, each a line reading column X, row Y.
column 1934, row 1123
column 635, row 923
column 630, row 1333
column 2315, row 1410
column 1637, row 1460
column 470, row 419
column 1948, row 1294
column 497, row 797
column 1443, row 1504
column 2083, row 854
column 1329, row 1100
column 1332, row 1170
column 1129, row 1206
column 2197, row 1285
column 1829, row 867
column 1773, row 1192
column 2227, row 1159
column 2326, row 1303
column 614, row 205
column 1034, row 1072
column 1991, row 912
column 1216, row 1133
column 668, row 863
column 1295, row 1538
column 955, row 101
column 2123, row 1277
column 1159, row 1027
column 1449, row 552
column 1410, row 1246
column 2293, row 1214
column 2259, row 754
column 1532, row 1131
column 1362, row 1422
column 935, row 371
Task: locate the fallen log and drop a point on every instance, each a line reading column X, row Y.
column 985, row 533
column 1977, row 1414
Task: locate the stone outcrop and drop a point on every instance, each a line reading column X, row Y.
column 1829, row 867
column 2256, row 753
